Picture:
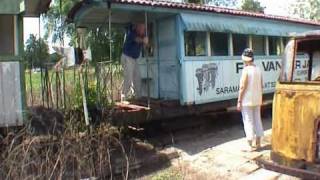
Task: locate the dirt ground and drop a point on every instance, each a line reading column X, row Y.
column 217, row 155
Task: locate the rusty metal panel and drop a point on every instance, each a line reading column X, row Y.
column 301, row 173
column 296, row 110
column 10, row 94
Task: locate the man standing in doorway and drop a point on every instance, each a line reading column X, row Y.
column 134, row 42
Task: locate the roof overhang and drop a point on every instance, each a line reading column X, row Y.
column 241, row 25
column 95, row 13
column 176, row 7
column 33, row 8
column 11, row 6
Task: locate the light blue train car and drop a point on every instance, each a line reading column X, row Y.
column 196, row 59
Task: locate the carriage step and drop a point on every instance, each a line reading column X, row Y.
column 131, row 107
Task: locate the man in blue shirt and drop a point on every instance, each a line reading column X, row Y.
column 134, row 42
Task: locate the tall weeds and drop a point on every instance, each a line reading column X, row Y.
column 69, row 156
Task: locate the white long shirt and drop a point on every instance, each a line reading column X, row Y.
column 253, row 94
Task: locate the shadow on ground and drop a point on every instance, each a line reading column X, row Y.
column 204, row 131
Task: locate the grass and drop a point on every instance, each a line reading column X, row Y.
column 170, row 173
column 179, row 171
column 53, row 90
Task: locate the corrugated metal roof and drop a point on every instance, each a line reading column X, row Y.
column 202, row 8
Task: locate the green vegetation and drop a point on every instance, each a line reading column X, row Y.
column 168, row 174
column 224, row 3
column 36, row 52
column 252, row 6
column 307, row 9
column 97, row 38
column 97, row 84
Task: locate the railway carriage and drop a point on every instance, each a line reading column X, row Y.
column 12, row 92
column 195, row 65
column 194, row 61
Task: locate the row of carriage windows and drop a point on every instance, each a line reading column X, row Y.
column 196, row 44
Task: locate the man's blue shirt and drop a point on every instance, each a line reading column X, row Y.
column 132, row 48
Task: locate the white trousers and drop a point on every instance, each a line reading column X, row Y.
column 132, row 81
column 251, row 117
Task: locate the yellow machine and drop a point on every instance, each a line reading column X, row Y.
column 296, row 105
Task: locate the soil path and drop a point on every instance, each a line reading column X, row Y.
column 219, row 155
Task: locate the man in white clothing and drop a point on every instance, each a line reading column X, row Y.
column 250, row 99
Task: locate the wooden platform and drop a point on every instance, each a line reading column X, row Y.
column 131, row 107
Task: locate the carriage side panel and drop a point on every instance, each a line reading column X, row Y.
column 217, row 79
column 168, row 63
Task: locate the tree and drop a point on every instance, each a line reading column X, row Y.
column 55, row 21
column 195, row 1
column 97, row 37
column 54, row 57
column 307, row 9
column 36, row 51
column 252, row 6
column 99, row 43
column 223, row 3
column 220, row 3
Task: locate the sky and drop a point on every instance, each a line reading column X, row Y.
column 31, row 26
column 275, row 7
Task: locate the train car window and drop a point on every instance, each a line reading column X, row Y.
column 219, row 44
column 274, row 45
column 318, row 143
column 240, row 42
column 301, row 67
column 258, row 45
column 307, row 65
column 287, row 62
column 315, row 75
column 285, row 41
column 195, row 43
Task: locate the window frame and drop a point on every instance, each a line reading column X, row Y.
column 280, row 45
column 293, row 61
column 264, row 44
column 205, row 44
column 228, row 44
column 247, row 43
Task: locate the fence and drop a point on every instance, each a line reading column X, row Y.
column 62, row 88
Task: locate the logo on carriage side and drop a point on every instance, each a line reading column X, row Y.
column 206, row 76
